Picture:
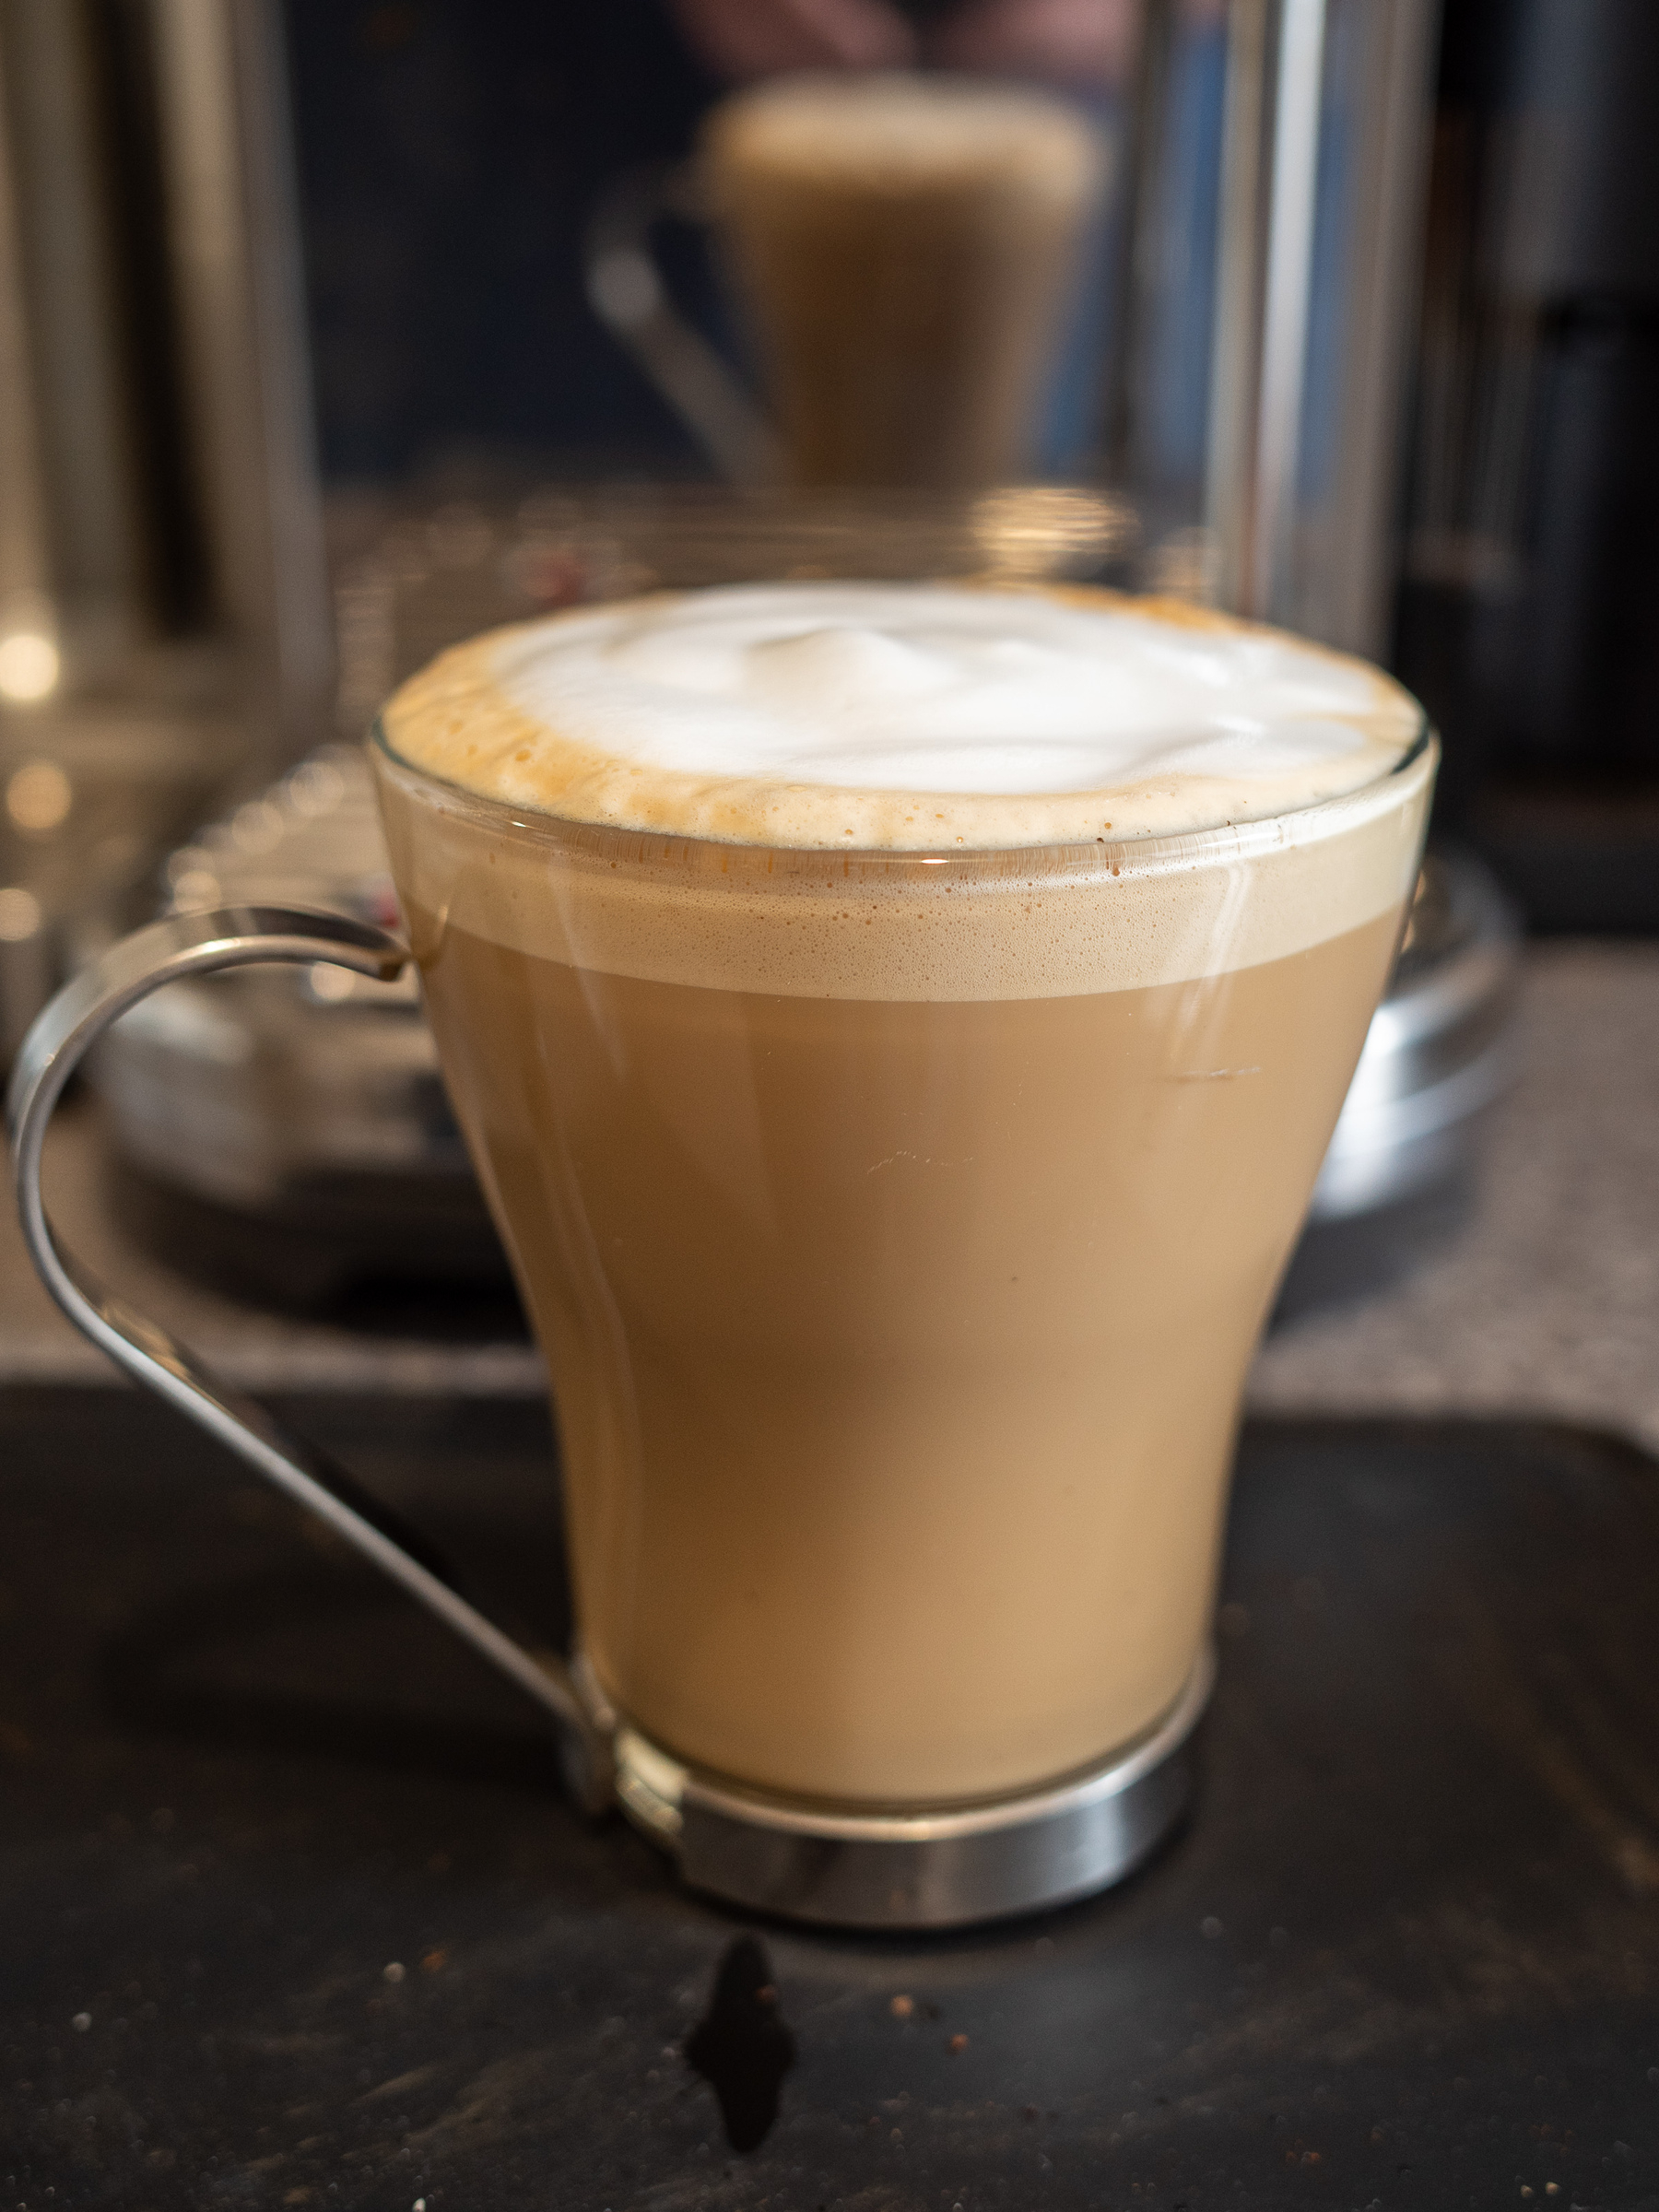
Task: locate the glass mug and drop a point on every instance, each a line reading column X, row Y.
column 918, row 257
column 898, row 1227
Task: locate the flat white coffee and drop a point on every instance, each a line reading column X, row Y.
column 901, row 717
column 898, row 1224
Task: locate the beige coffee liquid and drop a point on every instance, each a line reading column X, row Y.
column 898, row 1225
column 907, row 247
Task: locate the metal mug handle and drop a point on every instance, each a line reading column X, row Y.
column 194, row 946
column 626, row 289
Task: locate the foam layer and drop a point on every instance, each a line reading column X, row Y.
column 969, row 926
column 894, row 133
column 901, row 717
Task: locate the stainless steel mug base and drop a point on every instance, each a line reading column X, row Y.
column 940, row 1870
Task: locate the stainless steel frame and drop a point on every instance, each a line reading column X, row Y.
column 897, row 1869
column 1289, row 62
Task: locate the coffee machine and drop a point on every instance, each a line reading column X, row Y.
column 1260, row 387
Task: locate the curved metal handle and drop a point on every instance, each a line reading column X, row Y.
column 198, row 944
column 626, row 290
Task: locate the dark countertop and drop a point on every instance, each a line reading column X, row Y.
column 296, row 1916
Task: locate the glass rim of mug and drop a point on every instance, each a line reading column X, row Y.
column 620, row 843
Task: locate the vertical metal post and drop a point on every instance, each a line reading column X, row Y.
column 223, row 93
column 25, row 559
column 1290, row 280
column 1322, row 569
column 1235, row 356
column 1269, row 172
column 95, row 528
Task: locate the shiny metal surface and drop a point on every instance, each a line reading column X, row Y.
column 940, row 1870
column 1440, row 1051
column 230, row 206
column 1324, row 161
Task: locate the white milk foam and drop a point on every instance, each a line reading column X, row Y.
column 889, row 132
column 900, row 717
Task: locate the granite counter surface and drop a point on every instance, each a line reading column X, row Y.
column 1535, row 1293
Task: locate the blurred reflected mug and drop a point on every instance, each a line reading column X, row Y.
column 908, row 251
column 898, row 1227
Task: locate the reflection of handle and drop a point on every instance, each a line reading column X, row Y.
column 196, row 945
column 625, row 288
